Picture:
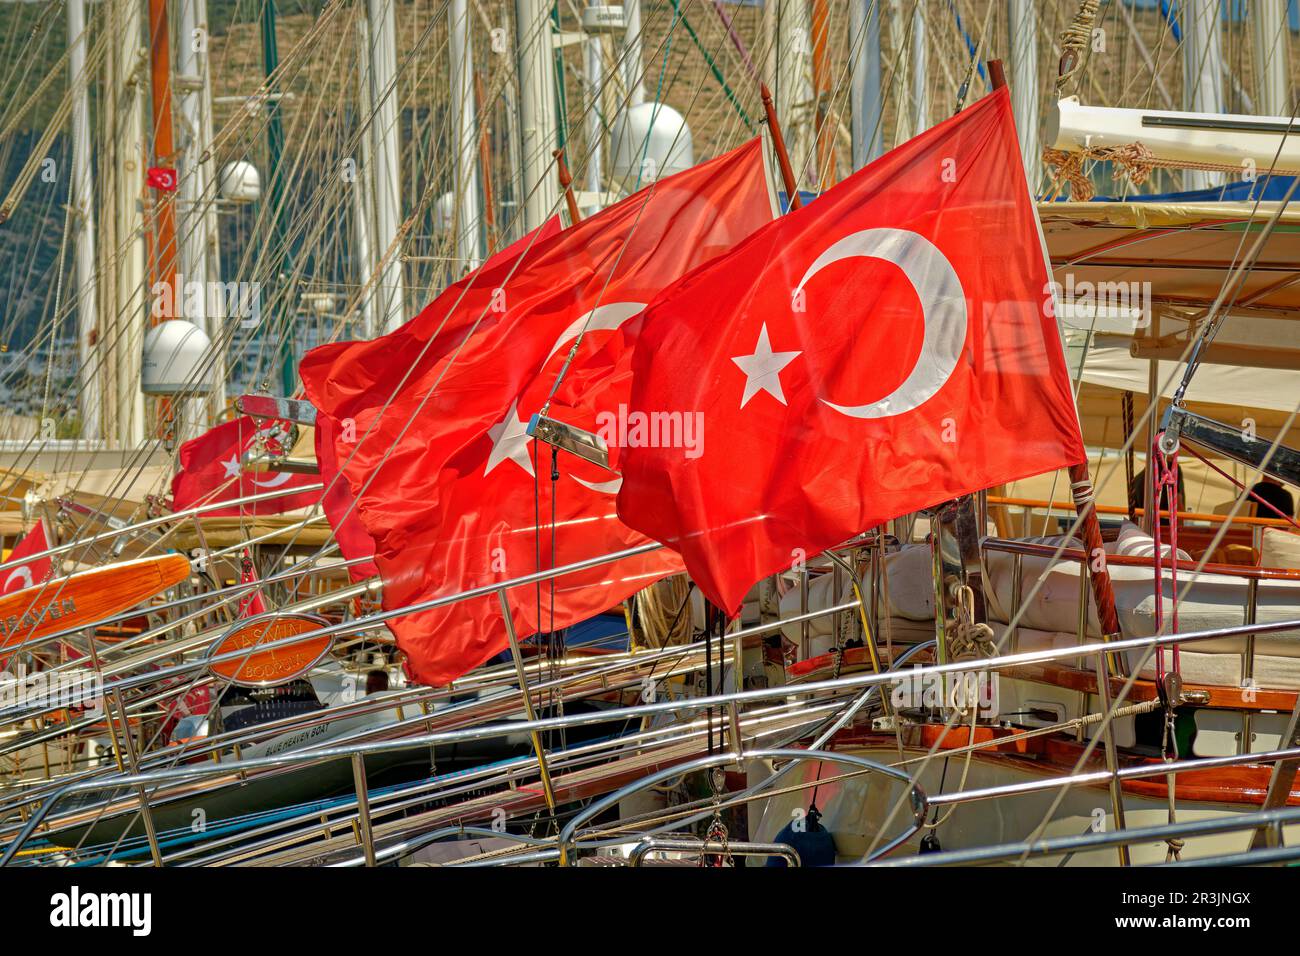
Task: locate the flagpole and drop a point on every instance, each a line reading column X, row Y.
column 566, row 183
column 528, row 702
column 778, row 144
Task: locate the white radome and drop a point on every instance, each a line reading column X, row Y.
column 176, row 360
column 240, row 182
column 654, row 134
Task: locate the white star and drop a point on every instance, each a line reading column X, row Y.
column 510, row 440
column 232, row 467
column 763, row 369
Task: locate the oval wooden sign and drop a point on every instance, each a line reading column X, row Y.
column 277, row 666
column 85, row 598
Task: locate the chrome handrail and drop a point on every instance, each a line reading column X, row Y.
column 556, row 723
column 920, row 803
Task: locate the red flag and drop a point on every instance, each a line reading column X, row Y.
column 17, row 577
column 886, row 348
column 448, row 484
column 210, row 471
column 161, row 178
column 337, row 500
column 340, row 506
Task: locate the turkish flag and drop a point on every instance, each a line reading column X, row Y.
column 15, row 577
column 162, row 178
column 448, row 484
column 210, row 471
column 337, row 500
column 339, row 505
column 886, row 348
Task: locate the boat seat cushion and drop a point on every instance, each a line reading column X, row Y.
column 1222, row 666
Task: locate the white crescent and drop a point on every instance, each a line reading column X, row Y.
column 23, row 574
column 943, row 307
column 603, row 487
column 607, row 318
column 275, row 482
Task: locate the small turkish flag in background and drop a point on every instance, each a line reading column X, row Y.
column 888, row 347
column 161, row 177
column 17, row 577
column 211, row 472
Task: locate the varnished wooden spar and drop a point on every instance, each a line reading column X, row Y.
column 279, row 665
column 85, row 598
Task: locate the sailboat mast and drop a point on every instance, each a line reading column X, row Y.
column 195, row 211
column 795, row 98
column 1202, row 72
column 866, row 99
column 824, row 130
column 900, row 46
column 362, row 191
column 279, row 209
column 539, row 190
column 595, row 66
column 920, row 64
column 1268, row 21
column 163, row 261
column 386, row 170
column 164, row 146
column 469, row 227
column 1022, row 41
column 128, row 247
column 633, row 60
column 82, row 188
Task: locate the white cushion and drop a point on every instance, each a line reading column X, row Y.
column 909, row 594
column 1134, row 542
column 1280, row 549
column 1199, row 664
column 1213, row 601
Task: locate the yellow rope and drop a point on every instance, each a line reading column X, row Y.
column 1132, row 159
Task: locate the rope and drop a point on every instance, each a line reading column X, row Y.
column 1074, row 41
column 1132, row 159
column 1127, row 406
column 661, row 608
column 1166, row 480
column 713, row 65
column 1169, row 752
column 970, row 637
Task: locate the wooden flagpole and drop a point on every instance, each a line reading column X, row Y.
column 566, row 183
column 778, row 144
column 1094, row 567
